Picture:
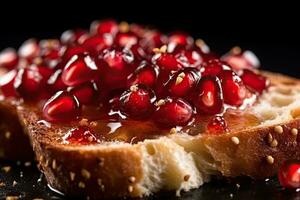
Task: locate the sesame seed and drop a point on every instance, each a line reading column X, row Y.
column 14, row 183
column 27, row 164
column 131, row 179
column 235, row 140
column 93, row 124
column 200, row 43
column 72, row 176
column 278, row 129
column 156, row 50
column 270, row 159
column 173, row 131
column 123, row 27
column 99, row 181
column 294, row 131
column 186, row 177
column 102, row 187
column 163, row 49
column 7, row 134
column 274, row 143
column 47, row 163
column 270, row 138
column 130, row 188
column 236, row 50
column 178, row 80
column 134, row 88
column 54, row 164
column 100, row 161
column 6, row 169
column 81, row 185
column 238, row 185
column 85, row 173
column 160, row 102
column 84, row 122
column 90, row 139
column 41, row 158
column 2, row 184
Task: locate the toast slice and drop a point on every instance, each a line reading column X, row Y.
column 173, row 162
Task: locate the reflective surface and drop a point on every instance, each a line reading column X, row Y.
column 31, row 184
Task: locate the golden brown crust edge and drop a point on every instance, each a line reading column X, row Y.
column 258, row 152
column 14, row 144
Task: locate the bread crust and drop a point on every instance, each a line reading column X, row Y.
column 116, row 170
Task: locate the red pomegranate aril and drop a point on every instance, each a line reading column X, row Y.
column 289, row 174
column 69, row 52
column 96, row 44
column 183, row 82
column 85, row 93
column 80, row 69
column 153, row 39
column 62, row 107
column 55, row 82
column 172, row 112
column 8, row 58
column 234, row 91
column 239, row 59
column 28, row 82
column 192, row 57
column 167, row 62
column 208, row 97
column 104, row 27
column 138, row 52
column 29, row 49
column 137, row 102
column 254, row 81
column 116, row 65
column 178, row 40
column 81, row 135
column 213, row 68
column 145, row 74
column 70, row 37
column 7, row 84
column 216, row 125
column 126, row 39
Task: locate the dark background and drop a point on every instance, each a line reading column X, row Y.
column 271, row 31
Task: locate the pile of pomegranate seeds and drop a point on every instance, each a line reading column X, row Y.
column 139, row 72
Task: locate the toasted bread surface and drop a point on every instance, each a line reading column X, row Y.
column 174, row 162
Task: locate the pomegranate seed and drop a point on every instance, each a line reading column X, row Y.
column 69, row 52
column 241, row 60
column 137, row 102
column 61, row 107
column 182, row 82
column 289, row 174
column 8, row 58
column 234, row 90
column 85, row 93
column 145, row 74
column 116, row 65
column 96, row 44
column 30, row 81
column 114, row 103
column 191, row 57
column 138, row 30
column 126, row 39
column 138, row 52
column 153, row 39
column 172, row 112
column 167, row 62
column 70, row 37
column 7, row 84
column 254, row 81
column 29, row 49
column 213, row 68
column 80, row 69
column 55, row 82
column 217, row 125
column 104, row 27
column 208, row 97
column 179, row 40
column 82, row 136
